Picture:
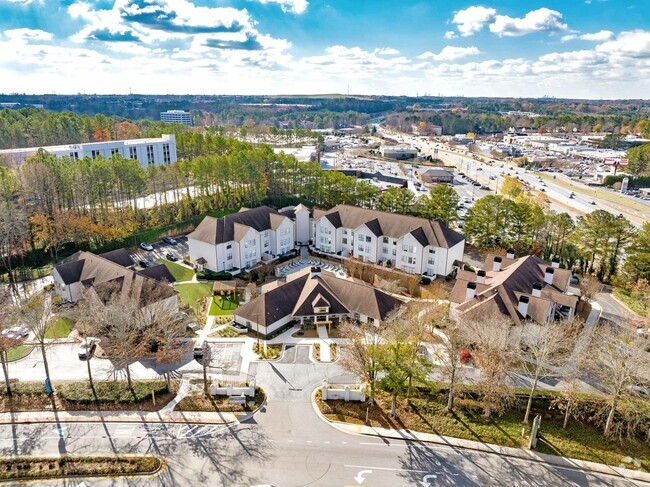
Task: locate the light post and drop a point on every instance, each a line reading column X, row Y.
column 257, row 329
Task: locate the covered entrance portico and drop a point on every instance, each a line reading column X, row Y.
column 313, row 321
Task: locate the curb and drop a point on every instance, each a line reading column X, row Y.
column 117, row 419
column 508, row 452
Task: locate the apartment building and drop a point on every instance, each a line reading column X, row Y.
column 523, row 289
column 413, row 245
column 148, row 152
column 242, row 240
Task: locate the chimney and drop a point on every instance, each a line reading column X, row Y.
column 537, row 289
column 555, row 263
column 480, row 277
column 471, row 291
column 548, row 275
column 314, row 272
column 523, row 305
column 510, row 253
column 496, row 265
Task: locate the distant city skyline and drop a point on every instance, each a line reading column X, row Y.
column 501, row 48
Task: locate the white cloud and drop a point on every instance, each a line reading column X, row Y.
column 28, row 34
column 632, row 44
column 450, row 34
column 451, row 53
column 472, row 19
column 25, row 2
column 386, row 51
column 294, row 6
column 540, row 20
column 603, row 35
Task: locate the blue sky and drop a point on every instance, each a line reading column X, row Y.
column 575, row 48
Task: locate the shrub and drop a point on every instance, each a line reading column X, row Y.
column 110, row 392
column 214, row 276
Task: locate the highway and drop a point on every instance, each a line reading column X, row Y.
column 557, row 187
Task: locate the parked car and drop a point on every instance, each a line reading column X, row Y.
column 145, row 263
column 86, row 349
column 15, row 332
column 465, row 356
column 169, row 240
column 170, row 256
column 592, row 202
column 146, row 246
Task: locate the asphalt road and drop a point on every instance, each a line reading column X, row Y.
column 287, row 445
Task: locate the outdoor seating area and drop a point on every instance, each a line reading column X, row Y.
column 297, row 265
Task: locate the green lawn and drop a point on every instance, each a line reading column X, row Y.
column 18, row 352
column 192, row 294
column 223, row 305
column 61, row 328
column 180, row 272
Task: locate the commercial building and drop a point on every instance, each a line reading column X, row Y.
column 398, row 152
column 176, row 116
column 314, row 297
column 436, row 175
column 148, row 152
column 522, row 289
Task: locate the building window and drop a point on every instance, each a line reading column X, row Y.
column 150, row 159
column 266, row 244
column 432, row 260
column 325, row 230
column 94, row 154
column 368, row 239
column 229, row 246
column 394, row 251
column 229, row 256
column 385, row 239
column 74, row 156
column 115, row 151
column 360, row 238
column 285, row 231
column 384, row 250
column 167, row 159
column 367, row 249
column 133, row 153
column 360, row 248
column 345, row 241
column 345, row 231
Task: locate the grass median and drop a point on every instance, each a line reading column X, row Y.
column 78, row 396
column 35, row 467
column 220, row 404
column 426, row 412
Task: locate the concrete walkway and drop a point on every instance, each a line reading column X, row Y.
column 325, row 353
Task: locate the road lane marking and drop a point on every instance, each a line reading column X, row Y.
column 386, row 468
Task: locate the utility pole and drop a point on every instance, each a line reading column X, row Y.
column 257, row 329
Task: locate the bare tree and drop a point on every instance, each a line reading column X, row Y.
column 589, row 287
column 453, row 342
column 36, row 315
column 169, row 334
column 13, row 232
column 124, row 318
column 493, row 352
column 363, row 351
column 543, row 348
column 7, row 339
column 619, row 359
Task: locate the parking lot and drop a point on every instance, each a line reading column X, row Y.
column 160, row 250
column 226, row 356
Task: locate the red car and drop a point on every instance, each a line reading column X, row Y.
column 465, row 357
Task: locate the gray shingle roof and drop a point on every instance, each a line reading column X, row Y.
column 428, row 232
column 219, row 230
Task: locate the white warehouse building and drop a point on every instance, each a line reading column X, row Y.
column 176, row 116
column 148, row 152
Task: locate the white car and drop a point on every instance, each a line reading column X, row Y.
column 146, row 246
column 15, row 332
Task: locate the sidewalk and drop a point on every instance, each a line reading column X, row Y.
column 325, row 353
column 117, row 417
